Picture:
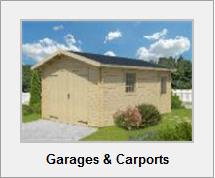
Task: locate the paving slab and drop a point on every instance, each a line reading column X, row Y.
column 51, row 132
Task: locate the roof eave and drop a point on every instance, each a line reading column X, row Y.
column 69, row 54
column 91, row 62
column 45, row 60
column 138, row 67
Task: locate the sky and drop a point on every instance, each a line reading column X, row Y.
column 143, row 40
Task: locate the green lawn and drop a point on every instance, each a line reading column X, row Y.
column 168, row 123
column 30, row 117
column 29, row 114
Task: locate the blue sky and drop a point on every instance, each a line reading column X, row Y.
column 144, row 40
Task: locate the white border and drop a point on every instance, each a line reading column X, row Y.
column 186, row 159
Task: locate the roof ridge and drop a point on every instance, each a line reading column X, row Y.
column 85, row 54
column 107, row 55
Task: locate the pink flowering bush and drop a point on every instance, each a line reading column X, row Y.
column 139, row 116
column 131, row 118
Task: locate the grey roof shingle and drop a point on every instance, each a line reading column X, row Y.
column 115, row 60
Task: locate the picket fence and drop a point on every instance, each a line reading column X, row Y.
column 184, row 95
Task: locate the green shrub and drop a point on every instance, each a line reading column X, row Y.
column 184, row 130
column 131, row 118
column 36, row 108
column 176, row 103
column 149, row 114
column 119, row 119
column 181, row 131
column 35, row 88
column 26, row 109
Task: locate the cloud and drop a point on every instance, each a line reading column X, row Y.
column 112, row 35
column 58, row 27
column 164, row 48
column 157, row 35
column 46, row 46
column 70, row 39
column 109, row 53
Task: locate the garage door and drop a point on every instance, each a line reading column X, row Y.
column 77, row 95
column 55, row 98
column 65, row 93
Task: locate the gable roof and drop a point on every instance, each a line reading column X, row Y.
column 103, row 60
column 115, row 60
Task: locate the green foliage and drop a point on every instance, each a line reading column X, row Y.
column 26, row 78
column 31, row 117
column 31, row 81
column 119, row 119
column 30, row 113
column 110, row 133
column 30, row 109
column 182, row 77
column 37, row 108
column 35, row 88
column 150, row 115
column 26, row 109
column 181, row 131
column 184, row 131
column 176, row 103
column 168, row 62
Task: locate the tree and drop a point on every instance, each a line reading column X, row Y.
column 167, row 62
column 35, row 88
column 26, row 78
column 182, row 77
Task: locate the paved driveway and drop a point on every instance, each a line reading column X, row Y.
column 50, row 131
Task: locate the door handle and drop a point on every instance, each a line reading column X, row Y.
column 68, row 96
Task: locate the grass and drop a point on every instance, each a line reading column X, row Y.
column 30, row 113
column 30, row 117
column 114, row 133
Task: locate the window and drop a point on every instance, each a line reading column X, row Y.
column 130, row 82
column 163, row 85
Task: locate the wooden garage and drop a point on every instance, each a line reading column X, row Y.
column 84, row 88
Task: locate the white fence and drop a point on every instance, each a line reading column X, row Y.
column 25, row 98
column 184, row 95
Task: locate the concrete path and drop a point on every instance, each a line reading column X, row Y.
column 50, row 131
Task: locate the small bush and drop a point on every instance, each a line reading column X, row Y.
column 36, row 108
column 184, row 130
column 119, row 119
column 27, row 109
column 149, row 113
column 131, row 118
column 181, row 131
column 176, row 103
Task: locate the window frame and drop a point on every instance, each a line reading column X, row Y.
column 163, row 85
column 130, row 84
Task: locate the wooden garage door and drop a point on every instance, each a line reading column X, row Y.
column 77, row 95
column 66, row 94
column 55, row 100
column 62, row 90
